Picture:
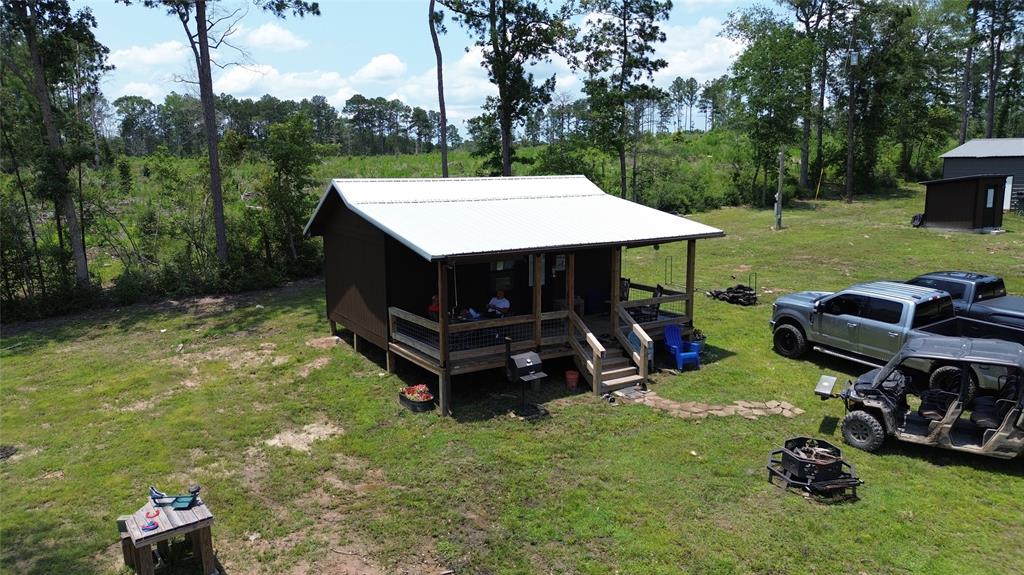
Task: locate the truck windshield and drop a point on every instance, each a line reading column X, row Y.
column 933, row 311
column 989, row 290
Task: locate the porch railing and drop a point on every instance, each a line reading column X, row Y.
column 634, row 340
column 419, row 333
column 590, row 351
column 478, row 338
column 651, row 310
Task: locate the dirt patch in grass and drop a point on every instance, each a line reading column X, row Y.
column 302, row 440
column 323, row 342
column 235, row 357
column 56, row 474
column 312, row 366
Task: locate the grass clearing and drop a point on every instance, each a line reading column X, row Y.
column 101, row 405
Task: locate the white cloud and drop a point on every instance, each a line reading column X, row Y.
column 146, row 57
column 696, row 50
column 255, row 81
column 149, row 91
column 380, row 68
column 272, row 37
column 465, row 87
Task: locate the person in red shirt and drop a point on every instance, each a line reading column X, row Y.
column 434, row 309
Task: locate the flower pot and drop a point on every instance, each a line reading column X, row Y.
column 413, row 405
column 572, row 378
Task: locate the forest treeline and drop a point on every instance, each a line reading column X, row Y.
column 116, row 201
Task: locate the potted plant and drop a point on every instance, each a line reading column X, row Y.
column 416, row 398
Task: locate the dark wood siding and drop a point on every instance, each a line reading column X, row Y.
column 1014, row 166
column 962, row 203
column 355, row 259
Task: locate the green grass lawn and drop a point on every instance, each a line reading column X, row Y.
column 101, row 405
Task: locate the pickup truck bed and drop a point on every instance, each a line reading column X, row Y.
column 973, row 328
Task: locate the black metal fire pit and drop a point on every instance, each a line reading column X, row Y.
column 814, row 466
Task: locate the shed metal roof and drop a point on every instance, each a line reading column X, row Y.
column 988, row 148
column 440, row 218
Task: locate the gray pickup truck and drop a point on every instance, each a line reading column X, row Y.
column 978, row 296
column 869, row 323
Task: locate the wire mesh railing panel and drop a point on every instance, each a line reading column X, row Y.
column 557, row 327
column 486, row 337
column 419, row 336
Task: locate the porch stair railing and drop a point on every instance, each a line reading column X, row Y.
column 589, row 352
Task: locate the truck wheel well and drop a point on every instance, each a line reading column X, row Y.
column 792, row 322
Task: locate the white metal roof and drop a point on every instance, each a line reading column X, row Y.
column 988, row 148
column 439, row 218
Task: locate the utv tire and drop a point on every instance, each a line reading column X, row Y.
column 789, row 341
column 947, row 378
column 863, row 431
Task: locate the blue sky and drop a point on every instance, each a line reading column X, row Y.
column 379, row 48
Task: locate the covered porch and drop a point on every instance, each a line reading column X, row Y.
column 609, row 328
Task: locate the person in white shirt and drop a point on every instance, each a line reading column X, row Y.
column 498, row 306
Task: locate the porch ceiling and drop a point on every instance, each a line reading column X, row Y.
column 446, row 218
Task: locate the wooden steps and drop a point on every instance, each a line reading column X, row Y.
column 617, row 369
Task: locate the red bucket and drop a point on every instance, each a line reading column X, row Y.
column 572, row 378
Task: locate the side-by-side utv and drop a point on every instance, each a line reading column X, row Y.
column 885, row 402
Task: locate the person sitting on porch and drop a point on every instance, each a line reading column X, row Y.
column 434, row 308
column 498, row 306
column 468, row 314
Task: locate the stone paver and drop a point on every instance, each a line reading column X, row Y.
column 695, row 410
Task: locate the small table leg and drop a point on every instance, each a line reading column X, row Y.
column 144, row 560
column 128, row 551
column 205, row 550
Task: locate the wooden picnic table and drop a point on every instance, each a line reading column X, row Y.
column 193, row 523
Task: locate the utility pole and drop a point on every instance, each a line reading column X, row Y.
column 778, row 193
column 851, row 64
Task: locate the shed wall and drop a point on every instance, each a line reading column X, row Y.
column 1014, row 166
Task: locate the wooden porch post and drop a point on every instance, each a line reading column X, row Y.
column 691, row 260
column 570, row 289
column 538, row 275
column 616, row 276
column 444, row 379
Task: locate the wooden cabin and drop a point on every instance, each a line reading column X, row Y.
column 553, row 245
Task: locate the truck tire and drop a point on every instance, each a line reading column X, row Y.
column 863, row 431
column 789, row 341
column 947, row 378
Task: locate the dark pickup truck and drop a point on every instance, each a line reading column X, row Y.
column 977, row 296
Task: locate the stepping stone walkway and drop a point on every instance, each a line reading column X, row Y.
column 694, row 410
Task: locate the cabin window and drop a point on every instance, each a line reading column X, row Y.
column 990, row 197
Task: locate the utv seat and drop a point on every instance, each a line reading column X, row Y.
column 989, row 412
column 935, row 403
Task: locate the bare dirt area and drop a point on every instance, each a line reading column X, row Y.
column 318, row 363
column 301, row 440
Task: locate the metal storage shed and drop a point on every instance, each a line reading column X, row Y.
column 990, row 156
column 553, row 243
column 968, row 202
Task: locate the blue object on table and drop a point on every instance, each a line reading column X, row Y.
column 685, row 352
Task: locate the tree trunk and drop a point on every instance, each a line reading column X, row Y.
column 28, row 211
column 636, row 152
column 206, row 98
column 965, row 91
column 622, row 171
column 805, row 141
column 440, row 95
column 995, row 53
column 63, row 197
